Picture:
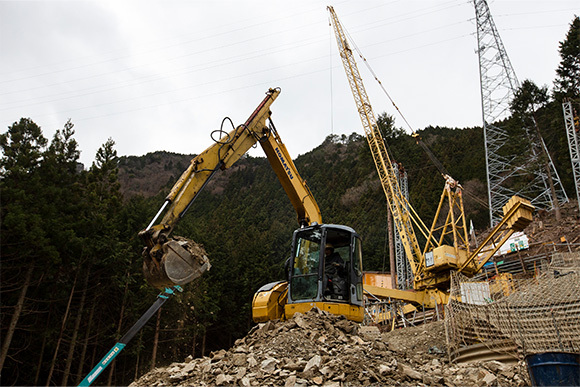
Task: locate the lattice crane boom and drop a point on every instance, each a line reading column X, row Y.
column 431, row 266
column 395, row 197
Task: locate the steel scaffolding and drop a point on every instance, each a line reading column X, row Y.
column 403, row 268
column 573, row 144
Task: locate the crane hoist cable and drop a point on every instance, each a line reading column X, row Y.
column 414, row 134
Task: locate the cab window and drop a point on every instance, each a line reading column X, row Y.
column 306, row 260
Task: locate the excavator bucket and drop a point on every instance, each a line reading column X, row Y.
column 182, row 261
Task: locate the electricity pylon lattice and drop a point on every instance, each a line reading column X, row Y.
column 573, row 144
column 508, row 172
column 403, row 268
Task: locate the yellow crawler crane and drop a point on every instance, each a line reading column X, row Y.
column 177, row 261
column 432, row 264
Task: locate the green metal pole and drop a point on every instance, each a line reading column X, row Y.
column 118, row 347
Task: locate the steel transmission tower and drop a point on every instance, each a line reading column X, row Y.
column 508, row 173
column 572, row 127
column 403, row 268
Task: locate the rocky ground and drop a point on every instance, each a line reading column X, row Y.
column 317, row 348
column 546, row 229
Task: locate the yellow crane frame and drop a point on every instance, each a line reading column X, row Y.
column 431, row 265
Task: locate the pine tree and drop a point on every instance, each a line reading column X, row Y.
column 25, row 243
column 567, row 83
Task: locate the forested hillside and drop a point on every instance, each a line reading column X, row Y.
column 71, row 281
column 71, row 264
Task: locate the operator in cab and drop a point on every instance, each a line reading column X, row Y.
column 334, row 268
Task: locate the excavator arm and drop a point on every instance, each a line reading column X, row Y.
column 177, row 261
column 295, row 187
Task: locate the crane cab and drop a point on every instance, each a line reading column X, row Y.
column 325, row 271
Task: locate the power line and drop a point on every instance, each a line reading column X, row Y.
column 187, row 70
column 213, row 36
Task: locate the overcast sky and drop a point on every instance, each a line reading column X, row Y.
column 161, row 75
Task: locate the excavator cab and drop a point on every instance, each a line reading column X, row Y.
column 325, row 271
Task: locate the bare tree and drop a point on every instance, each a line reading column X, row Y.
column 15, row 316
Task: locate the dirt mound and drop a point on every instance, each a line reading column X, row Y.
column 318, row 348
column 546, row 229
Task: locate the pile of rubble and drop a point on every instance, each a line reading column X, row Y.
column 546, row 230
column 320, row 349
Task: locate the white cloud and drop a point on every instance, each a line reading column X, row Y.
column 162, row 75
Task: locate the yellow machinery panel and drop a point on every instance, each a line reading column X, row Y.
column 444, row 257
column 268, row 303
column 351, row 312
column 522, row 213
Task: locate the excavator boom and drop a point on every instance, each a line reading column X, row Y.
column 295, row 187
column 177, row 261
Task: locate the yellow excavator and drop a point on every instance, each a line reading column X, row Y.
column 312, row 279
